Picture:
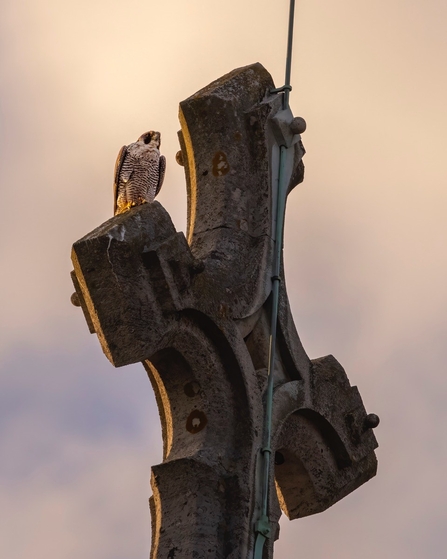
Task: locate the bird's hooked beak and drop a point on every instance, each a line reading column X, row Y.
column 156, row 138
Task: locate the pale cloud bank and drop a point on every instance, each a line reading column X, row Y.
column 365, row 253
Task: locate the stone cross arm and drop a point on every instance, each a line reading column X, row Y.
column 195, row 310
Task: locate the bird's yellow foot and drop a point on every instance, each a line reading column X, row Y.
column 126, row 207
column 139, row 202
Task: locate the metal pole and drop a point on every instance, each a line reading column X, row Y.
column 289, row 53
column 262, row 526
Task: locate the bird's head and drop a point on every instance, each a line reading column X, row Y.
column 151, row 137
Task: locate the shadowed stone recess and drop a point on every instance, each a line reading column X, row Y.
column 195, row 311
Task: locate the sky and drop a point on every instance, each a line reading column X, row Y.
column 365, row 256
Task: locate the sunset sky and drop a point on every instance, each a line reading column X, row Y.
column 365, row 253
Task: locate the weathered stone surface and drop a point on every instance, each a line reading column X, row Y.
column 133, row 272
column 196, row 313
column 230, row 156
column 322, row 441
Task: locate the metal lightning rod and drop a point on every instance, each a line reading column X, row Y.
column 262, row 526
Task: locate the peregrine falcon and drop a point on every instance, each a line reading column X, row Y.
column 139, row 172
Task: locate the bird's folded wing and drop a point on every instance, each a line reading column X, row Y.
column 161, row 173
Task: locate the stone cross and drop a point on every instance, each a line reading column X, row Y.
column 195, row 311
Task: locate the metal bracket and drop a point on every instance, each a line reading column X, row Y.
column 262, row 526
column 281, row 89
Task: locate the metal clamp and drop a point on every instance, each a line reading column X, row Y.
column 281, row 89
column 262, row 526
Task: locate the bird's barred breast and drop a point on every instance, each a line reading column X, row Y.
column 139, row 175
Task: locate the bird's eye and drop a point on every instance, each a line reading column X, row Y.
column 147, row 139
